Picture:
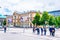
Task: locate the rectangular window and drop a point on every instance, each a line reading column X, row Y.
column 16, row 20
column 14, row 17
column 13, row 20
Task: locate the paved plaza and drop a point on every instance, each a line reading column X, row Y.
column 26, row 34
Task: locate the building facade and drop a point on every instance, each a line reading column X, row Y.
column 9, row 20
column 21, row 19
column 55, row 13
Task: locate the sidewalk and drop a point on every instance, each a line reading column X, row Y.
column 18, row 34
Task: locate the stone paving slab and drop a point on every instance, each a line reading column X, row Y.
column 18, row 34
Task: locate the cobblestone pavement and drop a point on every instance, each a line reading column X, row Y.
column 26, row 34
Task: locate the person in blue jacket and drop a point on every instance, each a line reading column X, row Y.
column 5, row 29
column 44, row 29
column 41, row 30
column 33, row 29
column 38, row 31
column 52, row 31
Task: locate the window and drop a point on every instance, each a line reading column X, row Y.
column 15, row 17
column 13, row 21
column 29, row 15
column 16, row 20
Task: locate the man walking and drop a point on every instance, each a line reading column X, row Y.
column 38, row 31
column 4, row 29
column 33, row 29
column 42, row 31
column 52, row 31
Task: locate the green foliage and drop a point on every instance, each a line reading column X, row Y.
column 37, row 19
column 33, row 21
column 57, row 21
column 4, row 22
column 45, row 17
column 51, row 20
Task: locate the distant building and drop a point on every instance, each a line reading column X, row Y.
column 55, row 13
column 9, row 20
column 2, row 18
column 22, row 19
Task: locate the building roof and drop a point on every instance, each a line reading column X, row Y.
column 54, row 11
column 1, row 16
column 26, row 12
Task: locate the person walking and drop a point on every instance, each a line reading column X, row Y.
column 4, row 29
column 38, row 31
column 52, row 31
column 44, row 28
column 33, row 29
column 42, row 31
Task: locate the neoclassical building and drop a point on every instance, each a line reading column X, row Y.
column 21, row 19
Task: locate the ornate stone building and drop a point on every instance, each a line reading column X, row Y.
column 22, row 19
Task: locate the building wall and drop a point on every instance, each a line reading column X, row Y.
column 22, row 20
column 55, row 13
column 16, row 19
column 9, row 20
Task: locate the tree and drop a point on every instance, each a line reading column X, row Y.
column 57, row 21
column 37, row 19
column 45, row 17
column 4, row 22
column 51, row 20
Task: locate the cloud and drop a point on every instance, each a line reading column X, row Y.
column 7, row 10
column 9, row 6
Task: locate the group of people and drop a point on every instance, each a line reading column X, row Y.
column 44, row 30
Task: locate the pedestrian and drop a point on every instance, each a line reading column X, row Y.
column 33, row 29
column 44, row 30
column 4, row 29
column 38, row 31
column 52, row 31
column 41, row 30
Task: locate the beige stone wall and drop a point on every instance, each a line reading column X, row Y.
column 27, row 19
column 8, row 17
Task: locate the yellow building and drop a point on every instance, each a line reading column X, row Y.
column 9, row 20
column 22, row 19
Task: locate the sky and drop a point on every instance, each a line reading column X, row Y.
column 9, row 6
